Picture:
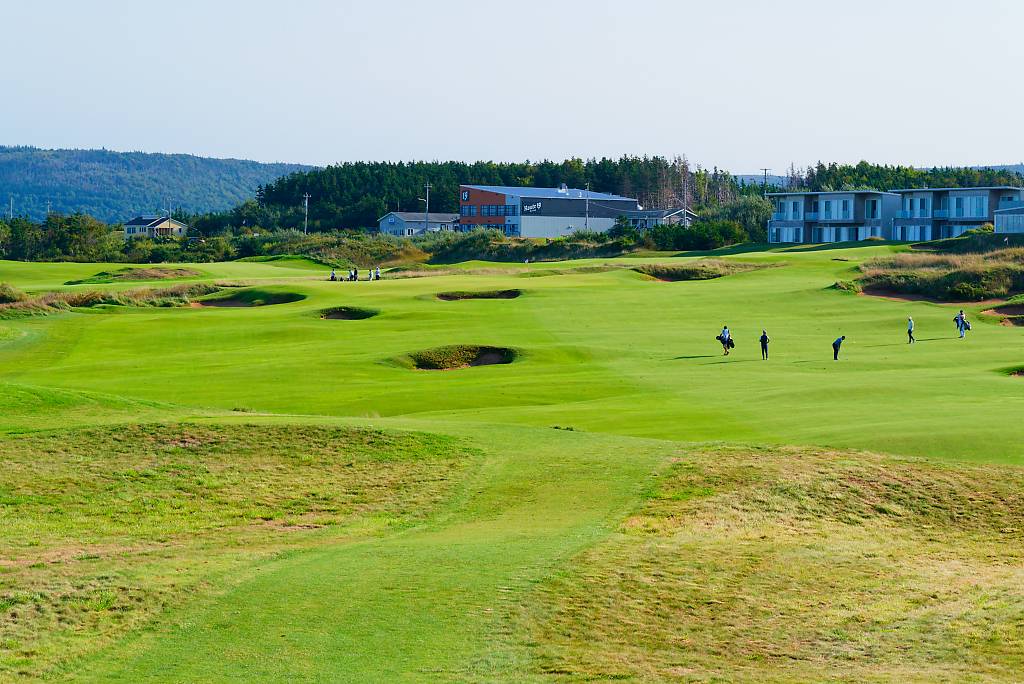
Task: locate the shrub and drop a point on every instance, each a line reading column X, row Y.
column 10, row 294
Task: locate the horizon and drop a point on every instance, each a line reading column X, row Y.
column 341, row 82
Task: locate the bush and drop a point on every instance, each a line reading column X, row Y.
column 702, row 235
column 10, row 294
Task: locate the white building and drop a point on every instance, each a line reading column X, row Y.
column 154, row 227
column 409, row 223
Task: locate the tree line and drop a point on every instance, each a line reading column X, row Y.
column 354, row 195
column 864, row 176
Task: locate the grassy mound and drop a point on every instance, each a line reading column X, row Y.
column 252, row 297
column 799, row 565
column 947, row 277
column 486, row 294
column 459, row 356
column 56, row 302
column 705, row 269
column 347, row 313
column 133, row 274
column 106, row 528
column 10, row 294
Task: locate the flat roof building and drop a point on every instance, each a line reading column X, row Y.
column 540, row 212
column 934, row 213
column 814, row 217
column 410, row 223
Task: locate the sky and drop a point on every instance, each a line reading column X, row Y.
column 740, row 85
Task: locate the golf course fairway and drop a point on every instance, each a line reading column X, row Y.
column 430, row 478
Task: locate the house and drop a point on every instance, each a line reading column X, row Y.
column 153, row 227
column 539, row 212
column 409, row 223
column 642, row 219
column 934, row 213
column 814, row 217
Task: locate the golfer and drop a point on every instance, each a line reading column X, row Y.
column 764, row 344
column 962, row 325
column 910, row 330
column 724, row 339
column 836, row 345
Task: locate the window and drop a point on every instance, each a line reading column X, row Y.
column 846, row 209
column 828, row 209
column 959, row 206
column 922, row 206
column 871, row 209
column 796, row 210
column 814, row 206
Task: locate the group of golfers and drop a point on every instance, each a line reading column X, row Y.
column 725, row 338
column 353, row 275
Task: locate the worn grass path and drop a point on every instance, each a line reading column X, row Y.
column 435, row 602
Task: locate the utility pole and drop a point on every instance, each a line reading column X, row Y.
column 11, row 214
column 764, row 186
column 586, row 215
column 426, row 209
column 305, row 219
column 47, row 207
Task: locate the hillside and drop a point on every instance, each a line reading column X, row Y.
column 114, row 186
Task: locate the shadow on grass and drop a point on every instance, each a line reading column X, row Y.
column 700, row 356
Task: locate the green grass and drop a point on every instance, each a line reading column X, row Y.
column 526, row 562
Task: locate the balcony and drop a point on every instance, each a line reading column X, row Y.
column 779, row 216
column 841, row 217
column 811, row 216
column 1010, row 204
column 912, row 215
column 941, row 213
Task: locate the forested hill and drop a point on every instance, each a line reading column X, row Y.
column 115, row 186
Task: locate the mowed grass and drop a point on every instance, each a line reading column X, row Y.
column 103, row 528
column 797, row 565
column 644, row 539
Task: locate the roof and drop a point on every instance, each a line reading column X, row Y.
column 1011, row 210
column 149, row 221
column 833, row 192
column 658, row 213
column 549, row 193
column 981, row 187
column 435, row 217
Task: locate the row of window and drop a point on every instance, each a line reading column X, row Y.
column 489, row 210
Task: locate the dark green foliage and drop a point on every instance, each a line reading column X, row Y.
column 751, row 212
column 492, row 245
column 115, row 186
column 702, row 235
column 357, row 194
column 883, row 177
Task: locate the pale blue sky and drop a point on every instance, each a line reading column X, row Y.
column 740, row 84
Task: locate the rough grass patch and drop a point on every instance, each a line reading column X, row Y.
column 797, row 565
column 55, row 302
column 134, row 273
column 106, row 528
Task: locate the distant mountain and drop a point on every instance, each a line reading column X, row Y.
column 115, row 186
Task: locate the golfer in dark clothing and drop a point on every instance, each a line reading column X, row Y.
column 835, row 347
column 764, row 345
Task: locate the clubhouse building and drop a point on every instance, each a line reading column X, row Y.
column 540, row 212
column 913, row 214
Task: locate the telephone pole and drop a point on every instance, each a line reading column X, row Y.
column 10, row 215
column 305, row 219
column 586, row 214
column 764, row 185
column 426, row 209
